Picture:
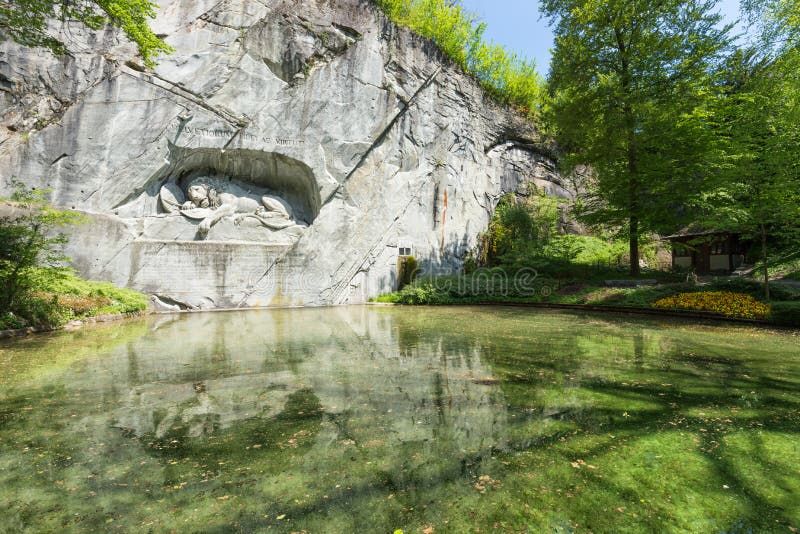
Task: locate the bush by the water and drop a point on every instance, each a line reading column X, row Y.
column 780, row 292
column 35, row 289
column 726, row 303
column 480, row 286
column 786, row 313
column 60, row 297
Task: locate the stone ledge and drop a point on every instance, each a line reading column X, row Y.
column 73, row 325
column 646, row 282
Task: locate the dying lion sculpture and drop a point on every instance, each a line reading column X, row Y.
column 210, row 200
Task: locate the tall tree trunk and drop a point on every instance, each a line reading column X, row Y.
column 766, row 260
column 634, row 246
column 632, row 152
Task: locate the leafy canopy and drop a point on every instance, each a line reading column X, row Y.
column 507, row 77
column 759, row 118
column 632, row 87
column 30, row 241
column 26, row 21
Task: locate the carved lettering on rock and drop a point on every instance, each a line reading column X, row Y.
column 222, row 133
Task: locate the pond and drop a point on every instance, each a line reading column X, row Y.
column 370, row 419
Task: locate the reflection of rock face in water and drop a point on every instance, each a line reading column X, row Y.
column 156, row 408
column 374, row 382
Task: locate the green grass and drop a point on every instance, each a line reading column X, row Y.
column 495, row 286
column 60, row 296
column 784, row 265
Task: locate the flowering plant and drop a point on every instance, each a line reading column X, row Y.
column 727, row 303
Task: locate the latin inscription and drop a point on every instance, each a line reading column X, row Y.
column 221, row 133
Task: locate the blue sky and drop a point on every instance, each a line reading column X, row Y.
column 515, row 24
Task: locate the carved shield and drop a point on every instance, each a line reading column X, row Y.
column 171, row 198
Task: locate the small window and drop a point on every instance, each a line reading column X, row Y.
column 682, row 251
column 404, row 248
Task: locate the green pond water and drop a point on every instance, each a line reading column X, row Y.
column 370, row 419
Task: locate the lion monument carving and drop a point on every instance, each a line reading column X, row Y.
column 212, row 199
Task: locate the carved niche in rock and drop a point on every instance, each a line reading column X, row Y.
column 210, row 199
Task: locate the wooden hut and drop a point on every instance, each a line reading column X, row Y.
column 707, row 251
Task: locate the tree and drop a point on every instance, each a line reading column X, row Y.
column 26, row 21
column 777, row 21
column 761, row 119
column 30, row 246
column 631, row 87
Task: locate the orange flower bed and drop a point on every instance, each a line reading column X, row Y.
column 729, row 304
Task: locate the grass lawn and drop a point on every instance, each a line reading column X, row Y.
column 786, row 265
column 497, row 287
column 61, row 296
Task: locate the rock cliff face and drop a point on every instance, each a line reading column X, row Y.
column 287, row 153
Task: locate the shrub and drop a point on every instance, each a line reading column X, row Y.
column 726, row 303
column 30, row 239
column 9, row 321
column 43, row 311
column 34, row 286
column 523, row 233
column 786, row 313
column 95, row 298
column 756, row 288
column 483, row 285
column 409, row 269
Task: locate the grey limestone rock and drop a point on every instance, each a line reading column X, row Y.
column 363, row 131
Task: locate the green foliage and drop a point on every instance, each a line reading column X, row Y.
column 641, row 297
column 786, row 313
column 519, row 231
column 418, row 294
column 507, row 77
column 409, row 270
column 58, row 296
column 105, row 298
column 481, row 286
column 9, row 321
column 594, row 250
column 754, row 288
column 759, row 194
column 778, row 22
column 26, row 21
column 30, row 239
column 784, row 263
column 524, row 234
column 632, row 89
column 35, row 288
